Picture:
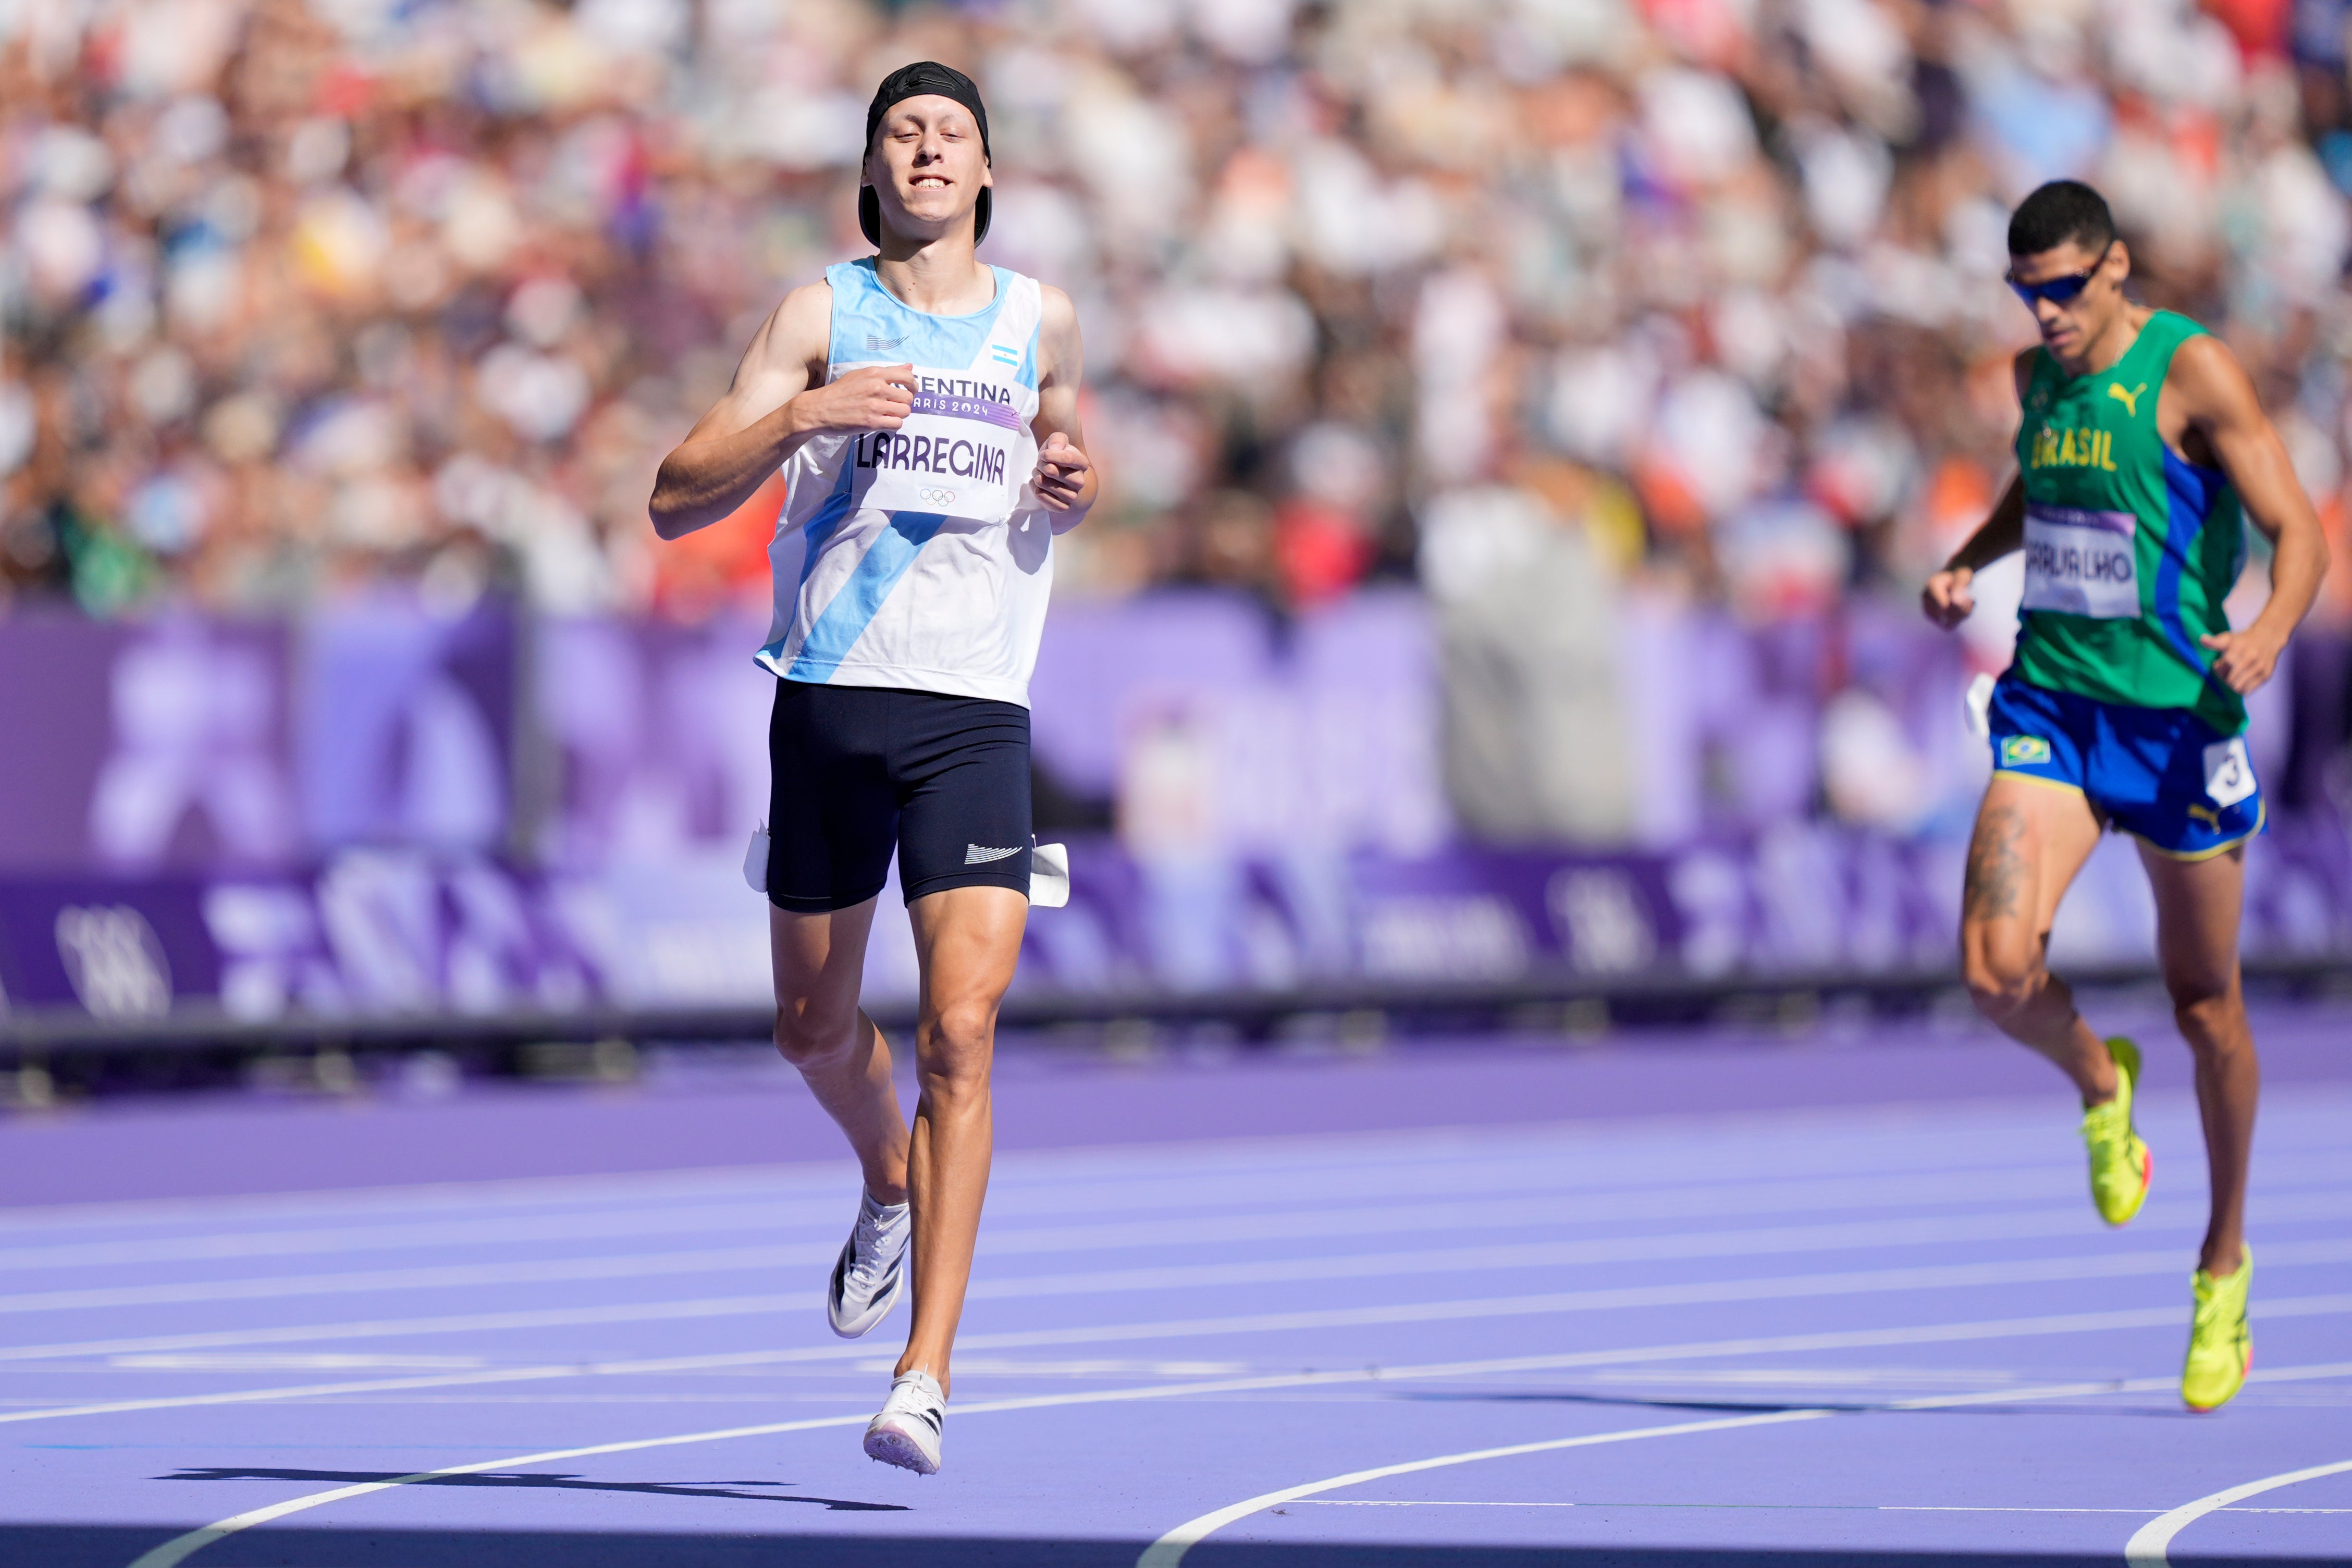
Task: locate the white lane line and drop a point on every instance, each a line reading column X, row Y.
column 658, row 1216
column 1169, row 1551
column 284, row 1361
column 1477, row 1307
column 296, row 1391
column 1854, row 1339
column 1507, row 1167
column 1544, row 1191
column 1641, row 1248
column 1595, row 1148
column 1533, row 1203
column 2149, row 1545
column 1356, row 1218
column 179, row 1548
column 442, row 1233
column 1685, row 1246
column 1617, row 1151
column 451, row 1323
column 1809, row 1507
column 446, row 1277
column 1538, row 1197
column 353, row 1204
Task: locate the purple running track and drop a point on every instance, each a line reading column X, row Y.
column 1706, row 1300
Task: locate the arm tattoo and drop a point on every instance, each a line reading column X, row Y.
column 1998, row 874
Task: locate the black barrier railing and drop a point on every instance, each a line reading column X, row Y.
column 1568, row 1002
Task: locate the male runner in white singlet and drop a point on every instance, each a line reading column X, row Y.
column 924, row 408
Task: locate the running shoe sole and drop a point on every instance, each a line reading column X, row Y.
column 2243, row 1371
column 893, row 1446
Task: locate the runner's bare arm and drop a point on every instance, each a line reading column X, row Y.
column 1067, row 480
column 1947, row 598
column 779, row 397
column 2217, row 399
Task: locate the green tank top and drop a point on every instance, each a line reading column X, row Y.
column 2129, row 550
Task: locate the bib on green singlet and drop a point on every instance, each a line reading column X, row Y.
column 2129, row 550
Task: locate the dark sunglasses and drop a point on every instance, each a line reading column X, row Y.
column 2060, row 290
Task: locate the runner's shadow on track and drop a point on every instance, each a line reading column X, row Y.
column 543, row 1483
column 1741, row 1407
column 1732, row 1406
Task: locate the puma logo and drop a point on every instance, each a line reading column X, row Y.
column 2207, row 815
column 2130, row 400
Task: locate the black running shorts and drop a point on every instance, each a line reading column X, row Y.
column 858, row 771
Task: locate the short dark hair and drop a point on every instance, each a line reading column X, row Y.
column 2060, row 211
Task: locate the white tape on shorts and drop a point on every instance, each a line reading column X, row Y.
column 1049, row 876
column 755, row 860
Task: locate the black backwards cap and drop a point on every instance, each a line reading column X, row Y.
column 924, row 78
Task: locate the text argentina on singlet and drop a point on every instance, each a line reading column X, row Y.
column 955, row 397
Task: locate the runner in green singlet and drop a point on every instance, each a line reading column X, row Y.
column 2141, row 455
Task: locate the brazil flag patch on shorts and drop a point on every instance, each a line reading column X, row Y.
column 2023, row 750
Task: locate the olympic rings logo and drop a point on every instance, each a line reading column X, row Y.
column 936, row 497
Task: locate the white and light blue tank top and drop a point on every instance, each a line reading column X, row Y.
column 920, row 558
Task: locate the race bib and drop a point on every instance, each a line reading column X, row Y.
column 2081, row 563
column 2229, row 776
column 954, row 456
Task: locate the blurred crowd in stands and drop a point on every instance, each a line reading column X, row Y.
column 307, row 298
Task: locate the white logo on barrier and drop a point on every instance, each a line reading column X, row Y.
column 115, row 962
column 1599, row 912
column 1444, row 936
column 2229, row 775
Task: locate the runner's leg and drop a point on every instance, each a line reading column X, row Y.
column 968, row 940
column 2032, row 838
column 820, row 1029
column 2197, row 909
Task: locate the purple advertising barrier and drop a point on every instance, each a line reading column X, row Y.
column 1799, row 897
column 657, row 733
column 331, row 817
column 379, row 933
column 204, row 745
column 55, row 710
column 371, row 933
column 114, row 949
column 137, row 747
column 1095, row 656
column 407, row 722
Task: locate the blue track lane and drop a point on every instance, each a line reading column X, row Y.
column 1867, row 1333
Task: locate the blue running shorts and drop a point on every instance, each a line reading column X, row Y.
column 2162, row 775
column 858, row 772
